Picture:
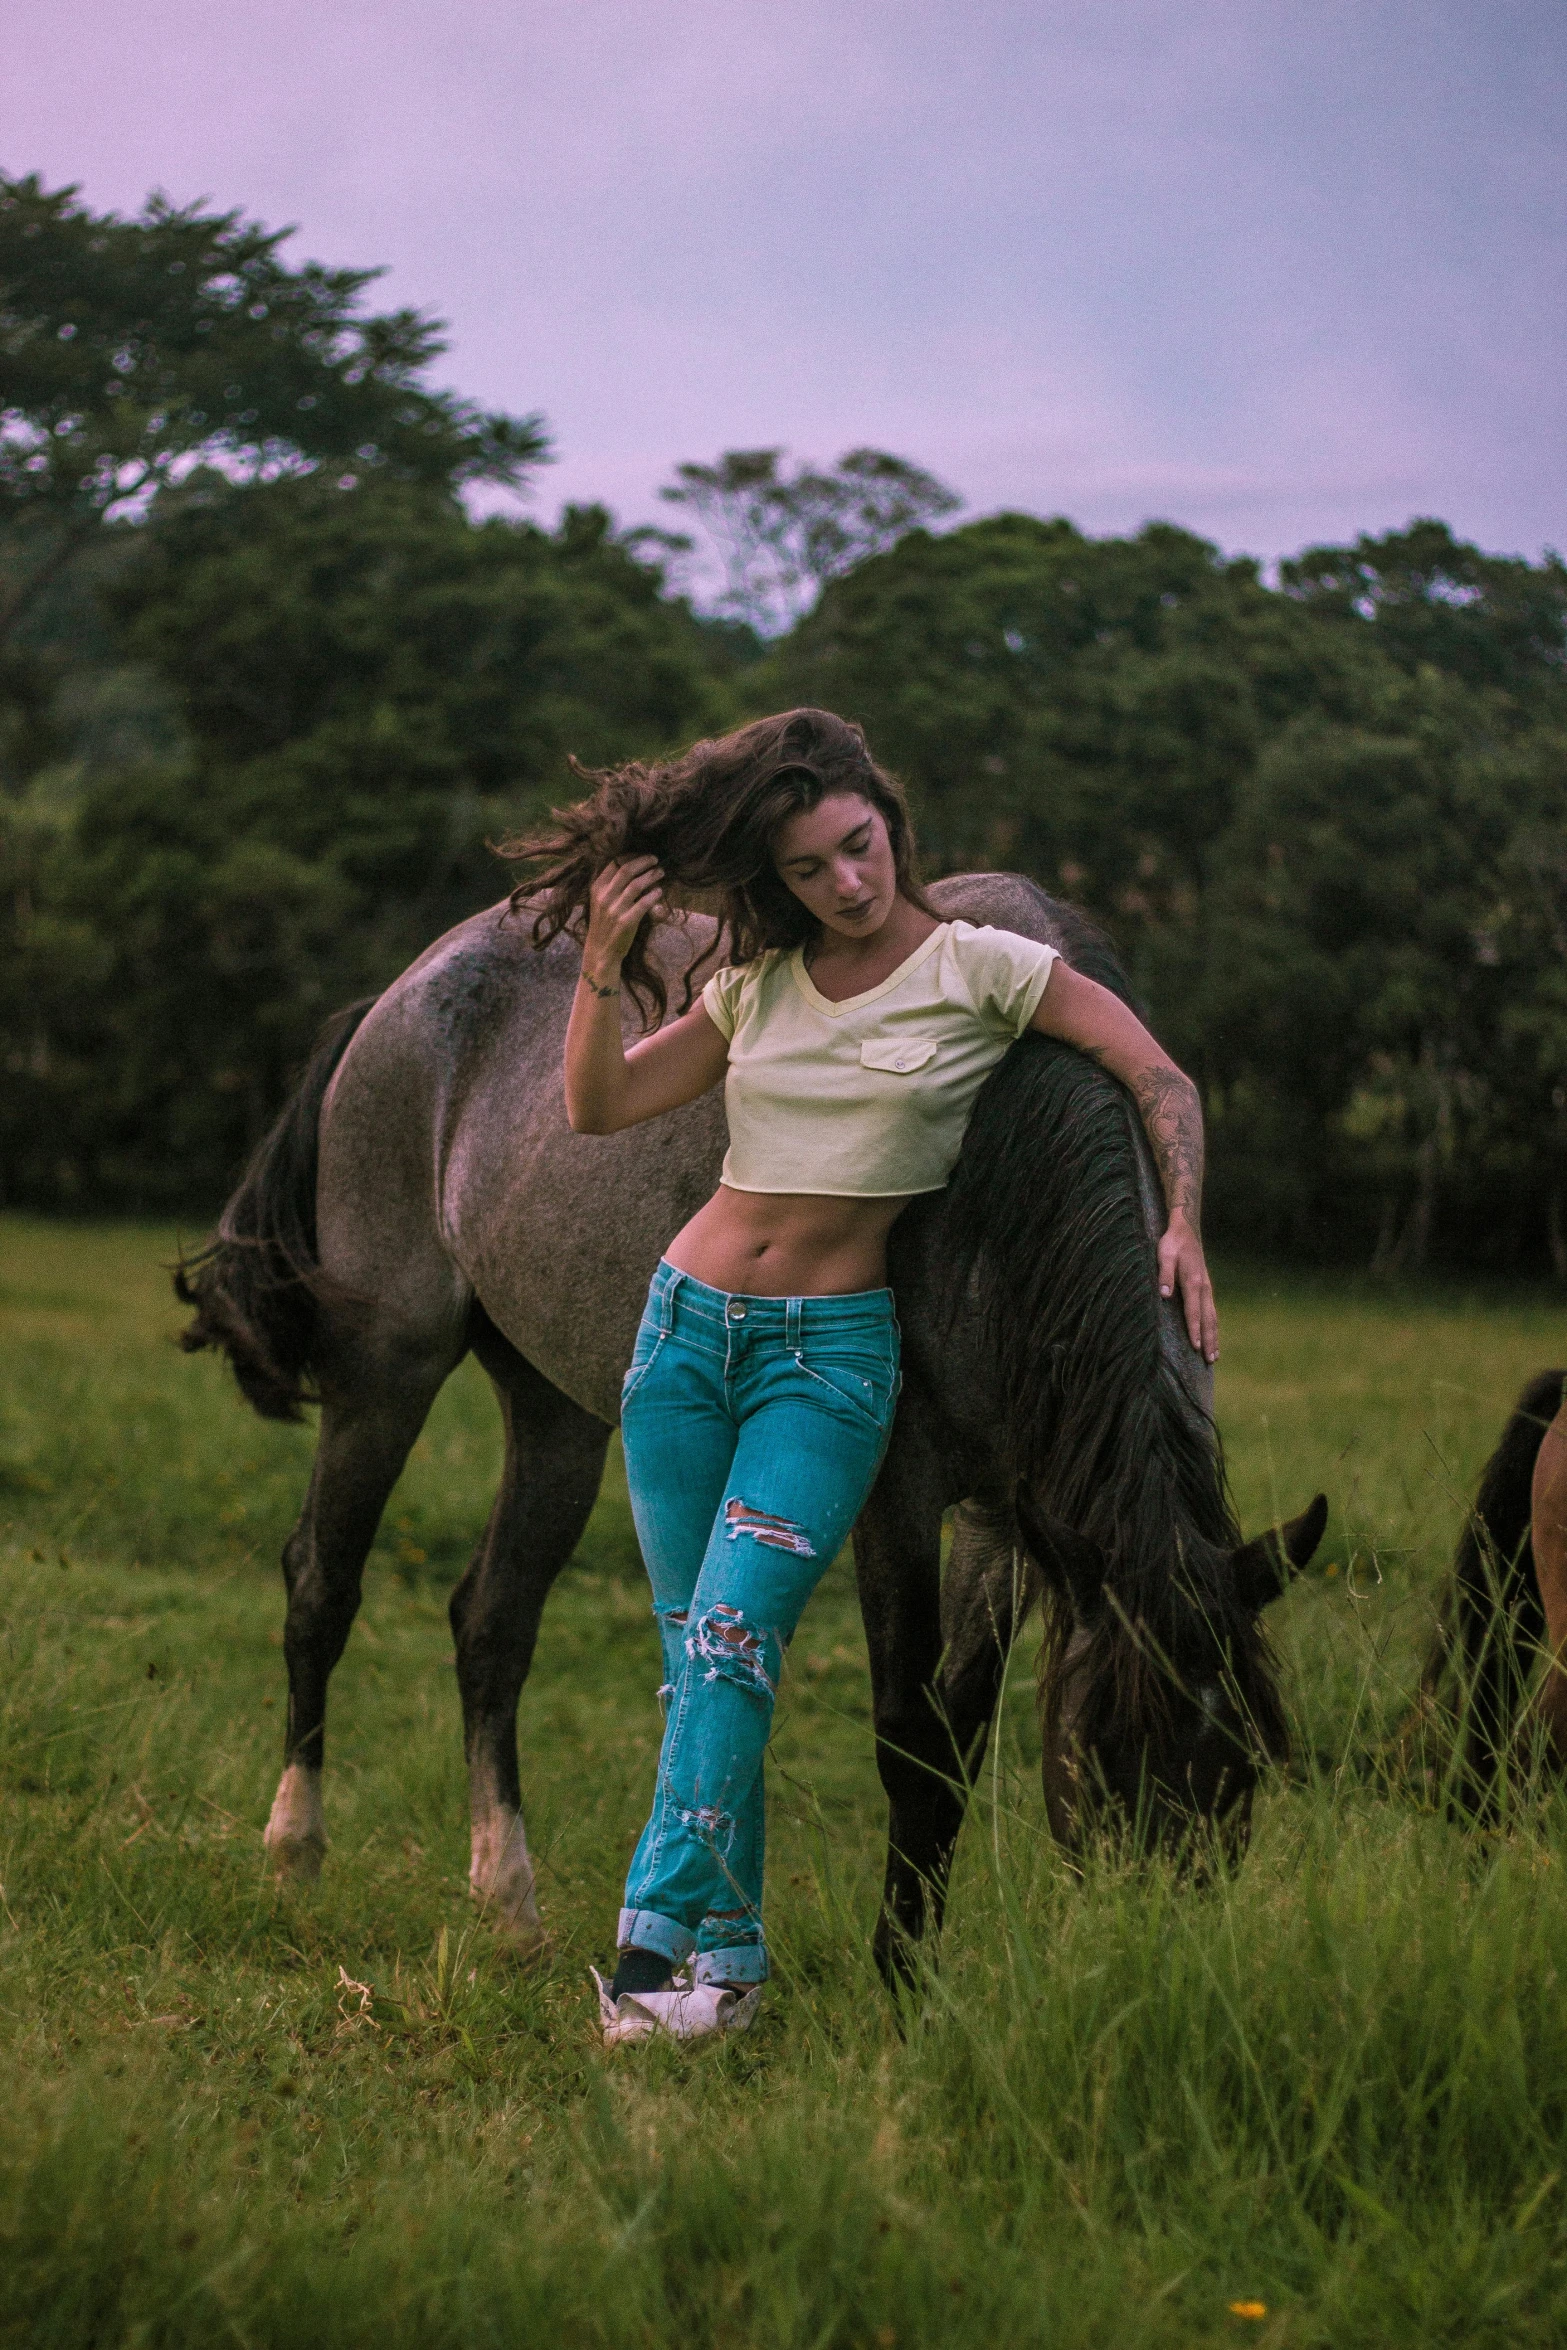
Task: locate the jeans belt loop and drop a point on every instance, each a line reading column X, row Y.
column 666, row 1304
column 794, row 1315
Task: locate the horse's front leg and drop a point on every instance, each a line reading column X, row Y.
column 554, row 1462
column 368, row 1427
column 897, row 1556
column 989, row 1586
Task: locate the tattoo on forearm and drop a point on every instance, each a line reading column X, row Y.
column 1172, row 1119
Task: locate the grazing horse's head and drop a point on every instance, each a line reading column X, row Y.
column 1159, row 1730
column 1161, row 1698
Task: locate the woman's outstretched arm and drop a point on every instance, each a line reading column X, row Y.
column 607, row 1087
column 1083, row 1013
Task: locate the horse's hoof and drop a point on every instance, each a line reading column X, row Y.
column 519, row 1931
column 295, row 1860
column 295, row 1833
column 527, row 1949
column 500, row 1879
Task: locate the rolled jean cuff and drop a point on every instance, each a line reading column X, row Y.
column 743, row 1962
column 644, row 1929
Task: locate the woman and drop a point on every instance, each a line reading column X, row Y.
column 852, row 1030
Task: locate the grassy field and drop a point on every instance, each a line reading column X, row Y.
column 1323, row 2104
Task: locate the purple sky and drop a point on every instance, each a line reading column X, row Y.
column 1276, row 269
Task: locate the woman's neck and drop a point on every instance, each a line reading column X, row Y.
column 858, row 963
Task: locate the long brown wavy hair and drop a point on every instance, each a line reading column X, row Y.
column 710, row 817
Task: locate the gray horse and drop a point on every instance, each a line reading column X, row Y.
column 423, row 1197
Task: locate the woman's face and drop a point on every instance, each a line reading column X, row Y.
column 837, row 859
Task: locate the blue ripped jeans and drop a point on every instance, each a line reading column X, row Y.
column 753, row 1427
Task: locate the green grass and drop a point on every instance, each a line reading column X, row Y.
column 1336, row 2086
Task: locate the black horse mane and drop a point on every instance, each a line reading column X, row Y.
column 1045, row 1223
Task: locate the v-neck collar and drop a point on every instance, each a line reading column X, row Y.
column 851, row 1003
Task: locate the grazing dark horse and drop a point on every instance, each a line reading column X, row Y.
column 1493, row 1628
column 422, row 1197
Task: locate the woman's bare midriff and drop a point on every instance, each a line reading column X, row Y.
column 787, row 1243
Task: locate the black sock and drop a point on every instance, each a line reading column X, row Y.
column 641, row 1970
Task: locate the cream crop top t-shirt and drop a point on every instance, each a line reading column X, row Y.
column 869, row 1097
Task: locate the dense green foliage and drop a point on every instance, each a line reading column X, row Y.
column 1333, row 2086
column 259, row 716
column 369, row 689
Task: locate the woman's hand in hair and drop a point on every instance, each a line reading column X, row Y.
column 608, row 1087
column 622, row 897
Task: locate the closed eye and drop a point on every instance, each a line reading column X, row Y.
column 856, row 843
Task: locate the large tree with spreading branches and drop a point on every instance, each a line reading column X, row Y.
column 134, row 351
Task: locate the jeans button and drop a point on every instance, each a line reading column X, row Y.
column 737, row 1313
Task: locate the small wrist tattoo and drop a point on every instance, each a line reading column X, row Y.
column 594, row 987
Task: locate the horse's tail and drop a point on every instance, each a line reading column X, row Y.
column 256, row 1286
column 1492, row 1619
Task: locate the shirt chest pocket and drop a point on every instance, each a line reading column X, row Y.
column 898, row 1056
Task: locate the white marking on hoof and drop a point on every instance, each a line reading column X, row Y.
column 501, row 1879
column 295, row 1833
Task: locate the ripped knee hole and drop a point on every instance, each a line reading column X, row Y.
column 718, row 1826
column 723, row 1641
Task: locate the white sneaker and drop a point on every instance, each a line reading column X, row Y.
column 683, row 2012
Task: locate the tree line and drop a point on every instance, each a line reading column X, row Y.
column 267, row 690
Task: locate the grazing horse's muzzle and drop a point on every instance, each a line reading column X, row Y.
column 1176, row 1771
column 1185, row 1795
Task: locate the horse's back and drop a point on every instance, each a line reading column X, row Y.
column 1006, row 901
column 445, row 1142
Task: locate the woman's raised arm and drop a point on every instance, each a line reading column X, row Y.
column 607, row 1087
column 1083, row 1013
